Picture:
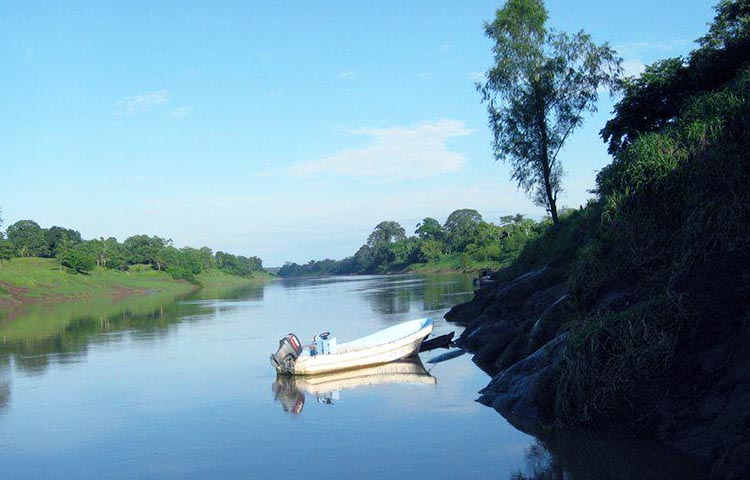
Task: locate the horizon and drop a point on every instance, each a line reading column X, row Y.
column 281, row 132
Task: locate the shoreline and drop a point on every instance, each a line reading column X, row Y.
column 38, row 281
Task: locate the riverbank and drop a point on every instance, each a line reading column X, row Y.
column 452, row 265
column 40, row 280
column 633, row 314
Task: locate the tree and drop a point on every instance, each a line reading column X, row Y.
column 537, row 92
column 386, row 232
column 654, row 99
column 461, row 228
column 430, row 250
column 381, row 241
column 79, row 258
column 6, row 251
column 60, row 239
column 145, row 249
column 430, row 229
column 28, row 239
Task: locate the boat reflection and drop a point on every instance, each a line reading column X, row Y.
column 290, row 391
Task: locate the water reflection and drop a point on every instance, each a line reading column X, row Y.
column 37, row 335
column 585, row 455
column 290, row 391
column 424, row 292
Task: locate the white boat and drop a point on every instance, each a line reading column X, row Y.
column 387, row 345
column 290, row 391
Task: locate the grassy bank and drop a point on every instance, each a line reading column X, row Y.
column 29, row 280
column 453, row 263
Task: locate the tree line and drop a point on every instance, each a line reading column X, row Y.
column 462, row 241
column 26, row 238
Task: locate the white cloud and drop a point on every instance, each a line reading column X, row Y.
column 396, row 153
column 657, row 48
column 136, row 104
column 334, row 225
column 181, row 113
column 633, row 67
column 475, row 76
column 637, row 54
column 346, row 75
column 446, row 48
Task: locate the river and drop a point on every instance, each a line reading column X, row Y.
column 161, row 387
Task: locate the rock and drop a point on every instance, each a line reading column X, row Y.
column 515, row 390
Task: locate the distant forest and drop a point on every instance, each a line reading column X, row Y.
column 464, row 241
column 26, row 238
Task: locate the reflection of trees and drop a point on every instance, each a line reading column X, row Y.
column 4, row 395
column 4, row 383
column 427, row 292
column 38, row 334
column 253, row 291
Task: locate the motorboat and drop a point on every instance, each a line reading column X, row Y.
column 325, row 388
column 326, row 355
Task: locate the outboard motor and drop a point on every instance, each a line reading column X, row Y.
column 284, row 358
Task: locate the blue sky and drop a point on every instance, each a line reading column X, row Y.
column 286, row 130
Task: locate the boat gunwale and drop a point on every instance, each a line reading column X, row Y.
column 326, row 363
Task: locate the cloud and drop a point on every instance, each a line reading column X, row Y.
column 446, row 48
column 334, row 224
column 396, row 153
column 181, row 113
column 637, row 54
column 633, row 67
column 346, row 75
column 136, row 104
column 475, row 76
column 637, row 49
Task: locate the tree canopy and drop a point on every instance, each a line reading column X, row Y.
column 537, row 92
column 654, row 99
column 27, row 239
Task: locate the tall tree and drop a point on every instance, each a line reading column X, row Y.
column 461, row 228
column 28, row 239
column 60, row 239
column 430, row 229
column 145, row 249
column 386, row 232
column 542, row 83
column 381, row 240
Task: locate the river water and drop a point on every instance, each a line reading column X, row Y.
column 162, row 387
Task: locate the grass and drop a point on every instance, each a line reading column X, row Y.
column 453, row 263
column 216, row 278
column 24, row 280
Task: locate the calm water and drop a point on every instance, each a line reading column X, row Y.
column 164, row 387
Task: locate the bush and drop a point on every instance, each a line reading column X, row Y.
column 79, row 259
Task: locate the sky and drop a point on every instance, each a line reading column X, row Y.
column 285, row 130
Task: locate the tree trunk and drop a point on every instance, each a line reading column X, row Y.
column 546, row 168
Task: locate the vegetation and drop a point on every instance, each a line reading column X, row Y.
column 57, row 264
column 464, row 242
column 26, row 238
column 35, row 279
column 656, row 265
column 537, row 91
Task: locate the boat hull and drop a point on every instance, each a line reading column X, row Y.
column 358, row 353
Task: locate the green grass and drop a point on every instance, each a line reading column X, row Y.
column 40, row 279
column 453, row 263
